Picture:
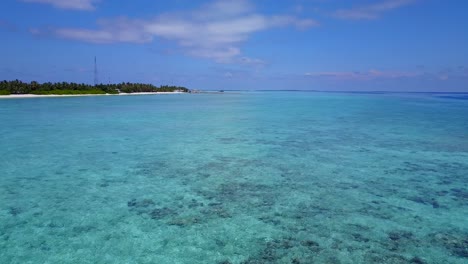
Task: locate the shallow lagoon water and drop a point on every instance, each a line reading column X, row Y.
column 252, row 177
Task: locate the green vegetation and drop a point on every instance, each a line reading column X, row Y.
column 64, row 92
column 62, row 88
column 4, row 92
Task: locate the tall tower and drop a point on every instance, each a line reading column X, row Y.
column 96, row 80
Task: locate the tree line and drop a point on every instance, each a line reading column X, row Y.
column 19, row 87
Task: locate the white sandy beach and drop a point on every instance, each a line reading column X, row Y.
column 72, row 95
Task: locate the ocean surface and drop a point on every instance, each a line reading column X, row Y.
column 236, row 177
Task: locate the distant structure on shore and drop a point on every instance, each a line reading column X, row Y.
column 96, row 80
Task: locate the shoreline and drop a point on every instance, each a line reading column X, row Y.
column 74, row 95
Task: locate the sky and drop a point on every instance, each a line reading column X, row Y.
column 327, row 45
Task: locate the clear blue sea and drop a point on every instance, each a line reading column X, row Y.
column 238, row 177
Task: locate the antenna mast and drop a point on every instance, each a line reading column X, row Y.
column 96, row 81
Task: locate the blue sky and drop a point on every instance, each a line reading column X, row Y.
column 391, row 45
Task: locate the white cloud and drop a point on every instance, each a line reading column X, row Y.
column 258, row 63
column 363, row 76
column 67, row 4
column 117, row 30
column 371, row 11
column 214, row 31
column 445, row 74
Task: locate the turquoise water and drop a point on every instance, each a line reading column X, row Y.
column 253, row 177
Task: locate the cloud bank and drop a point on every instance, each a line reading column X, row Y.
column 372, row 11
column 448, row 73
column 363, row 76
column 213, row 31
column 67, row 4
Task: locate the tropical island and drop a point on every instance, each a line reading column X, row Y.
column 18, row 87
